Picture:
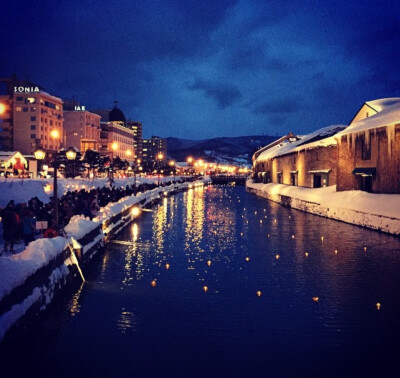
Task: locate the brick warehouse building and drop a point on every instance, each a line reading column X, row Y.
column 362, row 156
column 369, row 149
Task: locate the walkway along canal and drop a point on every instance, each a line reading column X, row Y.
column 217, row 282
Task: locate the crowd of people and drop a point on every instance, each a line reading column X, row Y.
column 19, row 220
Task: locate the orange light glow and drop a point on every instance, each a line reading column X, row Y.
column 205, row 288
column 153, row 283
column 55, row 134
column 259, row 293
column 306, row 254
column 2, row 108
column 277, row 256
column 315, row 299
column 209, row 262
column 247, row 258
column 166, row 266
column 378, row 306
column 114, row 146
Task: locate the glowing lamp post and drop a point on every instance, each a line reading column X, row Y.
column 40, row 155
column 114, row 148
column 137, row 166
column 172, row 165
column 160, row 156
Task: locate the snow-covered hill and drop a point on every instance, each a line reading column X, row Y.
column 235, row 150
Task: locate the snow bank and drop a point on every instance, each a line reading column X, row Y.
column 17, row 268
column 376, row 211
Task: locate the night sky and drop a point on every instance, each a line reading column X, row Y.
column 200, row 69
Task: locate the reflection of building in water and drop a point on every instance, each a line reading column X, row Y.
column 127, row 320
column 221, row 224
column 159, row 227
column 104, row 263
column 129, row 256
column 194, row 218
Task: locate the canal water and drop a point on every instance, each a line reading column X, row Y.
column 216, row 282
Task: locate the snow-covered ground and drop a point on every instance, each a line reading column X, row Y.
column 377, row 211
column 22, row 190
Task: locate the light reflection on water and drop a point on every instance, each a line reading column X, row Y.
column 227, row 240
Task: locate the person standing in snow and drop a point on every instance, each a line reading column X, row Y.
column 10, row 225
column 28, row 226
column 94, row 207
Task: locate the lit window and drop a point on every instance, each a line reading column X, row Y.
column 30, row 100
column 18, row 109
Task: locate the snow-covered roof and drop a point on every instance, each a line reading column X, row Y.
column 54, row 98
column 319, row 138
column 383, row 103
column 389, row 114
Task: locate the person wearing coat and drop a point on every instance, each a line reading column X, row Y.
column 9, row 220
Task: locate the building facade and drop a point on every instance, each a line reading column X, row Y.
column 37, row 122
column 309, row 161
column 116, row 138
column 32, row 118
column 137, row 128
column 369, row 149
column 152, row 148
column 81, row 128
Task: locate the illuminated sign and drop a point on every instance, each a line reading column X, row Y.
column 80, row 108
column 26, row 89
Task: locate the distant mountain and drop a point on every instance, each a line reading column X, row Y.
column 226, row 150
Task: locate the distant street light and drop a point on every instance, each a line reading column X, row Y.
column 160, row 156
column 114, row 148
column 172, row 165
column 40, row 155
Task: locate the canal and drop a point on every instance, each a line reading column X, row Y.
column 216, row 282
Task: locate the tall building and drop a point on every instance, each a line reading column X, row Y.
column 81, row 127
column 152, row 147
column 137, row 128
column 33, row 118
column 116, row 139
column 6, row 124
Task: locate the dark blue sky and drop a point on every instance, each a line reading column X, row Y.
column 199, row 69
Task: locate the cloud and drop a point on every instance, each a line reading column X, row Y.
column 225, row 95
column 275, row 106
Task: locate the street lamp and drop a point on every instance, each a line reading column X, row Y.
column 136, row 166
column 172, row 165
column 160, row 156
column 70, row 154
column 114, row 148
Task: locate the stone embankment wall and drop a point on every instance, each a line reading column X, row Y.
column 25, row 297
column 382, row 223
